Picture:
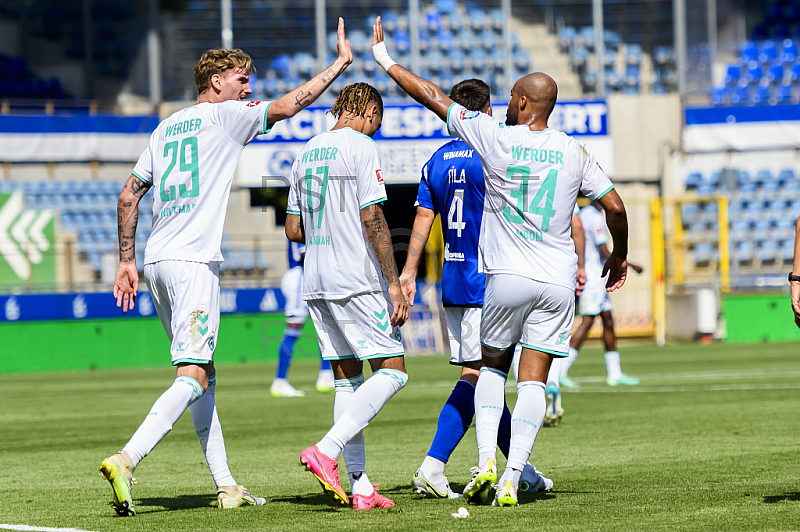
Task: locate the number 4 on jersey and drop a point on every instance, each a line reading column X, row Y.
column 455, row 217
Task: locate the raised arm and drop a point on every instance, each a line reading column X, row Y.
column 126, row 283
column 422, row 90
column 617, row 221
column 580, row 246
column 419, row 235
column 290, row 104
column 381, row 241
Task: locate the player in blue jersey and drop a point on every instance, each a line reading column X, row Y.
column 296, row 312
column 452, row 184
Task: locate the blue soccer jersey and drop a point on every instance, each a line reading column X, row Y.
column 296, row 254
column 452, row 185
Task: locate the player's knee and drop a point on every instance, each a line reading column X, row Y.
column 398, row 378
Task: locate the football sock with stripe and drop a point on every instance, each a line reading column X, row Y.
column 365, row 404
column 525, row 423
column 166, row 411
column 290, row 336
column 354, row 454
column 209, row 432
column 489, row 403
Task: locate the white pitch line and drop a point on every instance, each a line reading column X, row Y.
column 684, row 389
column 40, row 528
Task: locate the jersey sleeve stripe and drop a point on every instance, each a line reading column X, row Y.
column 373, row 202
column 293, row 212
column 543, row 350
column 448, row 118
column 267, row 127
column 604, row 193
column 140, row 178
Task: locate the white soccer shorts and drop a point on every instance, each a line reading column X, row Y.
column 357, row 327
column 464, row 331
column 186, row 297
column 536, row 314
column 594, row 300
column 296, row 310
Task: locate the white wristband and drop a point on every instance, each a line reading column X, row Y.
column 382, row 56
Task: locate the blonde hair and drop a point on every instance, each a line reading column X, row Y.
column 218, row 61
column 355, row 98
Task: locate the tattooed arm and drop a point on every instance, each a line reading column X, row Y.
column 289, row 105
column 381, row 241
column 294, row 228
column 126, row 283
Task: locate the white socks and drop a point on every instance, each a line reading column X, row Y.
column 525, row 423
column 209, row 432
column 354, row 453
column 613, row 368
column 555, row 372
column 365, row 404
column 489, row 403
column 432, row 468
column 567, row 363
column 166, row 411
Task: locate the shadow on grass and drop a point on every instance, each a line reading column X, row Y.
column 772, row 499
column 321, row 501
column 169, row 504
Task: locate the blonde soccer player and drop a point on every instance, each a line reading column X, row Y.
column 190, row 161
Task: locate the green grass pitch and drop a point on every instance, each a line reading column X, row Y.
column 708, row 441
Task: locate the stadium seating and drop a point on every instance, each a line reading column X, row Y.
column 88, row 209
column 762, row 209
column 455, row 42
column 767, row 70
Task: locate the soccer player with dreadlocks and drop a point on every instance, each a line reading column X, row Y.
column 351, row 284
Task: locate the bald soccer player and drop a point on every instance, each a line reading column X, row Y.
column 533, row 176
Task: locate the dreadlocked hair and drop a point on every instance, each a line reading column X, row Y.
column 355, row 98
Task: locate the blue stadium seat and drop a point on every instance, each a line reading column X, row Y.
column 690, row 213
column 771, row 190
column 753, row 73
column 768, row 52
column 497, row 19
column 775, row 73
column 763, row 176
column 761, row 95
column 767, row 250
column 783, row 93
column 788, row 52
column 478, row 20
column 743, row 252
column 304, row 64
column 763, row 229
column 389, row 20
column 703, row 253
column 740, row 230
column 402, row 42
column 566, row 38
column 720, row 96
column 448, row 7
column 748, row 52
column 786, row 252
column 694, row 180
column 705, row 189
column 457, row 23
column 784, row 229
column 281, row 65
column 633, row 55
column 740, row 95
column 748, row 192
column 794, row 73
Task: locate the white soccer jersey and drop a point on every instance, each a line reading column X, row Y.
column 334, row 176
column 190, row 162
column 532, row 183
column 594, row 229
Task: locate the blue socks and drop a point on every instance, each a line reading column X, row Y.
column 454, row 420
column 290, row 336
column 456, row 417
